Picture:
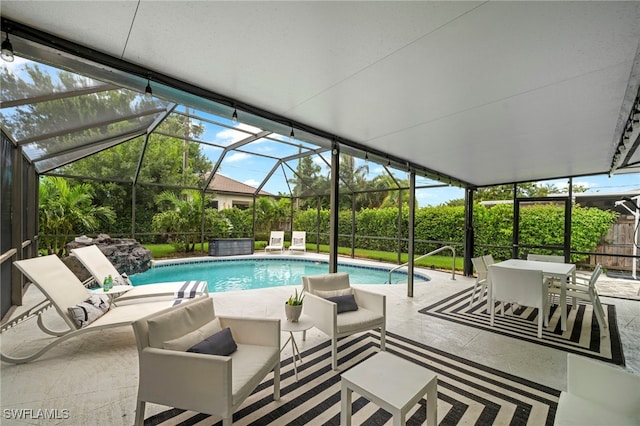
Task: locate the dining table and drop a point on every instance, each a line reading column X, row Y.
column 556, row 270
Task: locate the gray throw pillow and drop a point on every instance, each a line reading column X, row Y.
column 345, row 303
column 220, row 343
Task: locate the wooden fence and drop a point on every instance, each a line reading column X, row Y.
column 619, row 240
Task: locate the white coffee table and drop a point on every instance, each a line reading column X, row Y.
column 303, row 324
column 393, row 383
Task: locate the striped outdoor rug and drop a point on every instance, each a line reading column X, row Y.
column 468, row 393
column 583, row 335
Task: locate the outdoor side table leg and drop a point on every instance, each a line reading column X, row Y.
column 293, row 355
column 345, row 404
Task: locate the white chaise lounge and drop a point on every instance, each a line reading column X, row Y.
column 298, row 241
column 99, row 266
column 276, row 242
column 64, row 290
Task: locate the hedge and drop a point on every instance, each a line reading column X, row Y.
column 539, row 225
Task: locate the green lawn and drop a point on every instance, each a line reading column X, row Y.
column 164, row 251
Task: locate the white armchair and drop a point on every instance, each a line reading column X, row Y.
column 598, row 394
column 370, row 313
column 210, row 384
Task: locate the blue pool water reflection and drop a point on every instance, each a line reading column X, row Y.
column 247, row 274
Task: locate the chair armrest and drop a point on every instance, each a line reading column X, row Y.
column 322, row 311
column 608, row 386
column 185, row 379
column 374, row 302
column 253, row 331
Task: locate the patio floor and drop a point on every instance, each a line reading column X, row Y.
column 94, row 377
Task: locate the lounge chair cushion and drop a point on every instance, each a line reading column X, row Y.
column 183, row 343
column 345, row 303
column 177, row 323
column 86, row 312
column 298, row 241
column 220, row 343
column 275, row 241
column 327, row 294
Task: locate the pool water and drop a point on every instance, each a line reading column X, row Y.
column 229, row 275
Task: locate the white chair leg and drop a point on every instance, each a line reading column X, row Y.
column 139, row 420
column 227, row 421
column 276, row 382
column 473, row 294
column 334, row 353
column 383, row 338
column 599, row 311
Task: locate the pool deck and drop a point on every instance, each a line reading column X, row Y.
column 94, row 376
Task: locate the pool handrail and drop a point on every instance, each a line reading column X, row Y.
column 453, row 267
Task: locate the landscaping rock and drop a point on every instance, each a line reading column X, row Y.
column 126, row 254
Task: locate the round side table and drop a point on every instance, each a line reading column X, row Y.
column 303, row 324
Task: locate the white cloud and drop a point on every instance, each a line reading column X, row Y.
column 228, row 136
column 251, row 182
column 238, row 156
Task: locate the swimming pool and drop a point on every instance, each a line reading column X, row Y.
column 248, row 274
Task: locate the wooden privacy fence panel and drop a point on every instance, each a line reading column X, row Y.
column 619, row 240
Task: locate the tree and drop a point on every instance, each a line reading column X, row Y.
column 66, row 211
column 183, row 216
column 271, row 214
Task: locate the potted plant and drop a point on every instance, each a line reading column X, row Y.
column 293, row 306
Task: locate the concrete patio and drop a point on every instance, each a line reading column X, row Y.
column 92, row 379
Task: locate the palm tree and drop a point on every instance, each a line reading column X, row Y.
column 67, row 210
column 183, row 215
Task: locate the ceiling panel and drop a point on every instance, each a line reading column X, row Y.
column 486, row 92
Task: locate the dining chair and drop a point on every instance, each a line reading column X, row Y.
column 481, row 279
column 488, row 259
column 547, row 258
column 585, row 289
column 525, row 287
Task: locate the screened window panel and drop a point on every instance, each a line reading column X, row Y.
column 164, row 162
column 111, row 132
column 27, row 85
column 117, row 163
column 254, row 169
column 271, row 148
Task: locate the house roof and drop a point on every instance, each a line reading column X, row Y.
column 221, row 183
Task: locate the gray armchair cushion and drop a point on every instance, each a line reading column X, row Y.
column 345, row 303
column 220, row 343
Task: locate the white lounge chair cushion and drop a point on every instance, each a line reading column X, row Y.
column 354, row 321
column 190, row 339
column 84, row 313
column 326, row 282
column 177, row 323
column 298, row 241
column 250, row 363
column 333, row 293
